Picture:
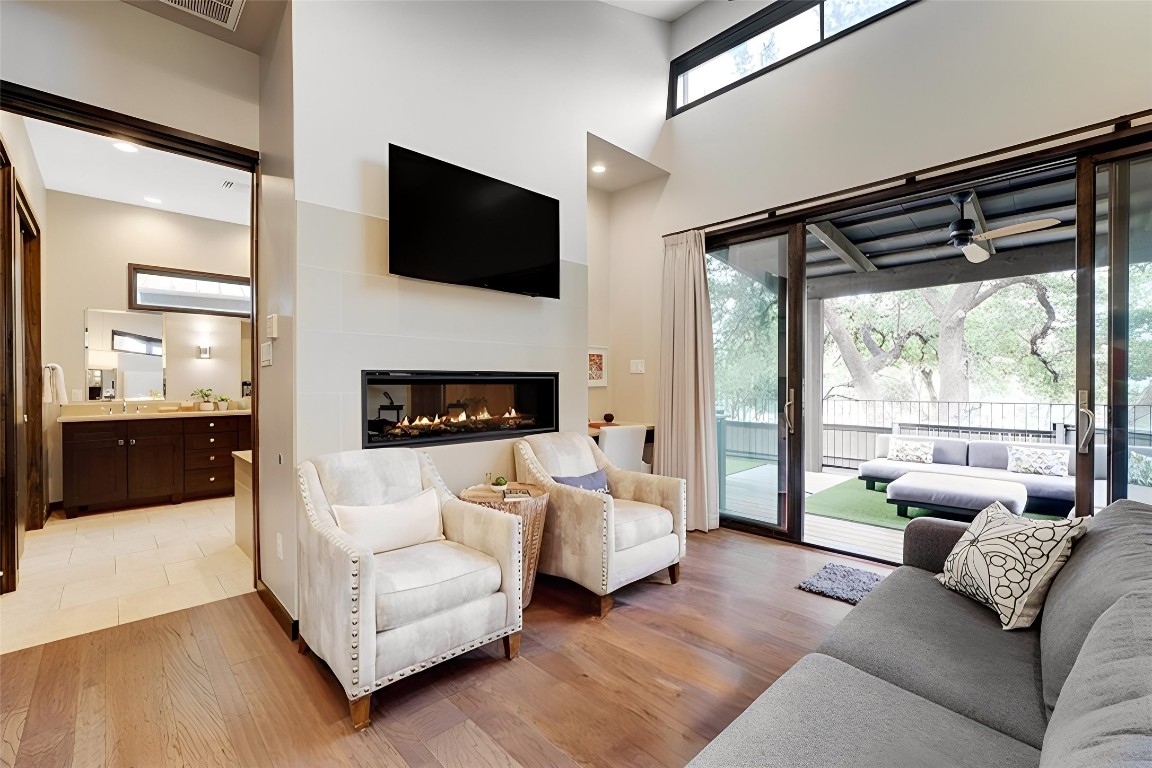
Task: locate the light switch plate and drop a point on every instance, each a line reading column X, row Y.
column 636, row 366
column 76, row 395
column 266, row 354
column 272, row 326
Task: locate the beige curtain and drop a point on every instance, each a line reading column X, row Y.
column 686, row 419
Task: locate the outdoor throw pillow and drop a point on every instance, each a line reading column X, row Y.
column 1007, row 562
column 385, row 527
column 908, row 450
column 1035, row 461
column 593, row 481
column 1139, row 469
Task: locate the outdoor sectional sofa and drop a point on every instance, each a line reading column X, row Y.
column 986, row 459
column 918, row 675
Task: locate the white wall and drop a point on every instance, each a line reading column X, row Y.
column 112, row 55
column 14, row 134
column 600, row 298
column 86, row 252
column 709, row 19
column 185, row 371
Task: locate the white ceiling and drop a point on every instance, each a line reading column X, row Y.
column 257, row 19
column 622, row 169
column 665, row 10
column 83, row 163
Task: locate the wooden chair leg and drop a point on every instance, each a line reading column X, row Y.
column 361, row 710
column 674, row 572
column 602, row 604
column 301, row 645
column 512, row 645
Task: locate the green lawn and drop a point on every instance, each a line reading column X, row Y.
column 734, row 464
column 851, row 500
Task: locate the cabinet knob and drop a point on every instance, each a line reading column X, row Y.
column 211, row 439
column 211, row 424
column 132, row 441
column 119, row 442
column 211, row 458
column 211, row 479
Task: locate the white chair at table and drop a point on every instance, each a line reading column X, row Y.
column 379, row 618
column 603, row 541
column 623, row 446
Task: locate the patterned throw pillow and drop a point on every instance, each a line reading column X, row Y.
column 1007, row 562
column 1034, row 461
column 1139, row 469
column 908, row 450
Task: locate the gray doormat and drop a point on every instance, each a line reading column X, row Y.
column 841, row 582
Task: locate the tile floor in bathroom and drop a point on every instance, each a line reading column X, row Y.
column 99, row 570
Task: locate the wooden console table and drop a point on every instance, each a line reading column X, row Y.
column 531, row 509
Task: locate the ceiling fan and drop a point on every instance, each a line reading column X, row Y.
column 962, row 232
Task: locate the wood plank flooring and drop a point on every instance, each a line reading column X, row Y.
column 221, row 685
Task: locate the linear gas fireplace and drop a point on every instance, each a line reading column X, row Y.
column 412, row 408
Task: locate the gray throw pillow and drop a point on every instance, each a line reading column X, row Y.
column 593, row 481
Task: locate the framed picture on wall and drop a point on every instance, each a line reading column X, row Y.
column 597, row 366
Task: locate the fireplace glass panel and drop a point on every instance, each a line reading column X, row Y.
column 422, row 407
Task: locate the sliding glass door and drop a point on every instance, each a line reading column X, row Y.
column 1119, row 443
column 747, row 284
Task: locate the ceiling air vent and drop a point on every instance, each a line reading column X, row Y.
column 226, row 13
column 227, row 184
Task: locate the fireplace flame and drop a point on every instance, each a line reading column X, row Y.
column 405, row 422
column 511, row 414
column 462, row 417
column 484, row 413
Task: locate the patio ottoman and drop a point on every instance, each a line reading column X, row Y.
column 954, row 495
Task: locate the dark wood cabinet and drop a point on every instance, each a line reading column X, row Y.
column 115, row 462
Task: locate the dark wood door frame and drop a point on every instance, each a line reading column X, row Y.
column 41, row 105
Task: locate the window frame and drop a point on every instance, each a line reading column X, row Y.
column 148, row 341
column 136, row 269
column 773, row 16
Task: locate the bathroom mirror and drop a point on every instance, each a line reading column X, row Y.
column 124, row 355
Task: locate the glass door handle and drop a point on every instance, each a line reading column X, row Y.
column 1089, row 430
column 788, row 411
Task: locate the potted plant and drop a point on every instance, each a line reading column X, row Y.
column 204, row 394
column 225, row 402
column 500, row 484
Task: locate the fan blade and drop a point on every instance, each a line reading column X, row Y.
column 1017, row 229
column 975, row 253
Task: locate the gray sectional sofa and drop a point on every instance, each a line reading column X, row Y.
column 982, row 459
column 919, row 676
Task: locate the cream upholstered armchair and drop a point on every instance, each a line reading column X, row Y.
column 602, row 541
column 376, row 618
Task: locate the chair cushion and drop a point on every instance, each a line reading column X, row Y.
column 384, row 527
column 427, row 579
column 1007, row 562
column 1034, row 461
column 948, row 649
column 639, row 523
column 824, row 713
column 1104, row 714
column 1109, row 561
column 563, row 454
column 992, row 454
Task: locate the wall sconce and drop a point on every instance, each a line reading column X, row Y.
column 205, row 353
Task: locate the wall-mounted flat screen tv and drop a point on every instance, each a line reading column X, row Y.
column 452, row 225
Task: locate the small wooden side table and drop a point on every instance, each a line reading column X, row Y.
column 531, row 509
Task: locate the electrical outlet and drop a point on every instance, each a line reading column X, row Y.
column 636, row 366
column 266, row 354
column 279, row 546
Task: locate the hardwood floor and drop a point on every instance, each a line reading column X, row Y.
column 220, row 685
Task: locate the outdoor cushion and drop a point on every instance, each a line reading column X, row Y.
column 916, row 451
column 1040, row 486
column 992, row 454
column 945, row 450
column 1007, row 562
column 823, row 712
column 1035, row 461
column 1112, row 559
column 1104, row 715
column 427, row 579
column 948, row 649
column 950, row 490
column 639, row 523
column 1139, row 469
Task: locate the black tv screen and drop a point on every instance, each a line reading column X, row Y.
column 452, row 225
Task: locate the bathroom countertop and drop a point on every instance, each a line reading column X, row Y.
column 130, row 416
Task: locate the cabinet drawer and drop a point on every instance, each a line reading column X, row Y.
column 209, row 459
column 92, row 430
column 225, row 441
column 154, row 428
column 201, row 424
column 208, row 481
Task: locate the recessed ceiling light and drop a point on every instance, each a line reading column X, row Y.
column 124, row 146
column 153, row 200
column 598, row 168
